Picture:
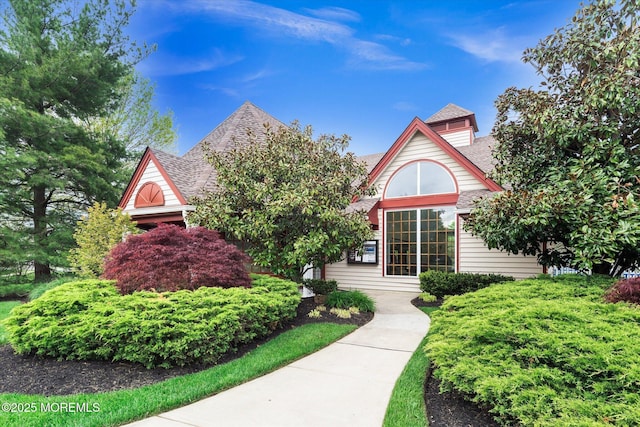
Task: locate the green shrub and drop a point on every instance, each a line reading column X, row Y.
column 96, row 234
column 15, row 291
column 321, row 286
column 41, row 288
column 347, row 299
column 90, row 320
column 542, row 352
column 427, row 297
column 440, row 283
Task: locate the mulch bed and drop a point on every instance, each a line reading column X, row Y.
column 450, row 409
column 46, row 376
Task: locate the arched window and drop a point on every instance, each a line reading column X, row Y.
column 150, row 194
column 420, row 179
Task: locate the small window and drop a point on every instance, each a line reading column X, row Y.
column 150, row 194
column 420, row 179
column 458, row 124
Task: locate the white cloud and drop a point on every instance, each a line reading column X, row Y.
column 326, row 29
column 399, row 40
column 379, row 57
column 491, row 46
column 335, row 13
column 166, row 65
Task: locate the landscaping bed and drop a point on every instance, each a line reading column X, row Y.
column 450, row 409
column 547, row 351
column 48, row 376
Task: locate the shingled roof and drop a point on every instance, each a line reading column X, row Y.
column 246, row 119
column 191, row 173
column 480, row 152
column 371, row 160
column 452, row 112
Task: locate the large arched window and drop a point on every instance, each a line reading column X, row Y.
column 420, row 179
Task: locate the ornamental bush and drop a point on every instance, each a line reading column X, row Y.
column 627, row 290
column 441, row 283
column 90, row 320
column 321, row 286
column 96, row 234
column 170, row 258
column 541, row 352
column 348, row 299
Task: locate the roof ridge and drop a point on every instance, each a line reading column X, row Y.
column 448, row 112
column 247, row 117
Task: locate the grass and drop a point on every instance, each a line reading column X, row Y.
column 406, row 407
column 5, row 308
column 115, row 408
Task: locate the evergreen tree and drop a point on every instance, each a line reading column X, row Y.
column 60, row 63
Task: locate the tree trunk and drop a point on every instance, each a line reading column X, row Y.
column 40, row 263
column 602, row 268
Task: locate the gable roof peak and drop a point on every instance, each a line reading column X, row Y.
column 449, row 112
column 248, row 117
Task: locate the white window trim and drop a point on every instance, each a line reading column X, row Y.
column 418, row 176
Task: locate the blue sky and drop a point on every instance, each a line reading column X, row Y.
column 364, row 68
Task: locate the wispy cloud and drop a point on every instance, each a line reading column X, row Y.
column 234, row 87
column 324, row 26
column 335, row 14
column 404, row 106
column 492, row 46
column 174, row 66
column 399, row 40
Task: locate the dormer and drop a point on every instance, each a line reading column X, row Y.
column 455, row 124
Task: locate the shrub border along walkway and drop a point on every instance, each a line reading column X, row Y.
column 115, row 408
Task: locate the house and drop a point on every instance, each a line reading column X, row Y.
column 426, row 183
column 162, row 184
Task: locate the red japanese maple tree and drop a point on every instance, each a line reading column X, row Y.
column 169, row 258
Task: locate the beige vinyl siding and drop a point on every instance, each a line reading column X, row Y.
column 355, row 276
column 420, row 147
column 461, row 138
column 475, row 257
column 152, row 174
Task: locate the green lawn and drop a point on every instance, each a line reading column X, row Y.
column 115, row 408
column 406, row 407
column 5, row 308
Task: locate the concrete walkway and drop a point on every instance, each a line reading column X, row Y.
column 348, row 383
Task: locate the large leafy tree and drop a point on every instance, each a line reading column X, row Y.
column 568, row 153
column 134, row 120
column 60, row 63
column 286, row 198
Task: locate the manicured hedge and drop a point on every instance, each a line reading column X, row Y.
column 90, row 320
column 542, row 352
column 440, row 283
column 321, row 286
